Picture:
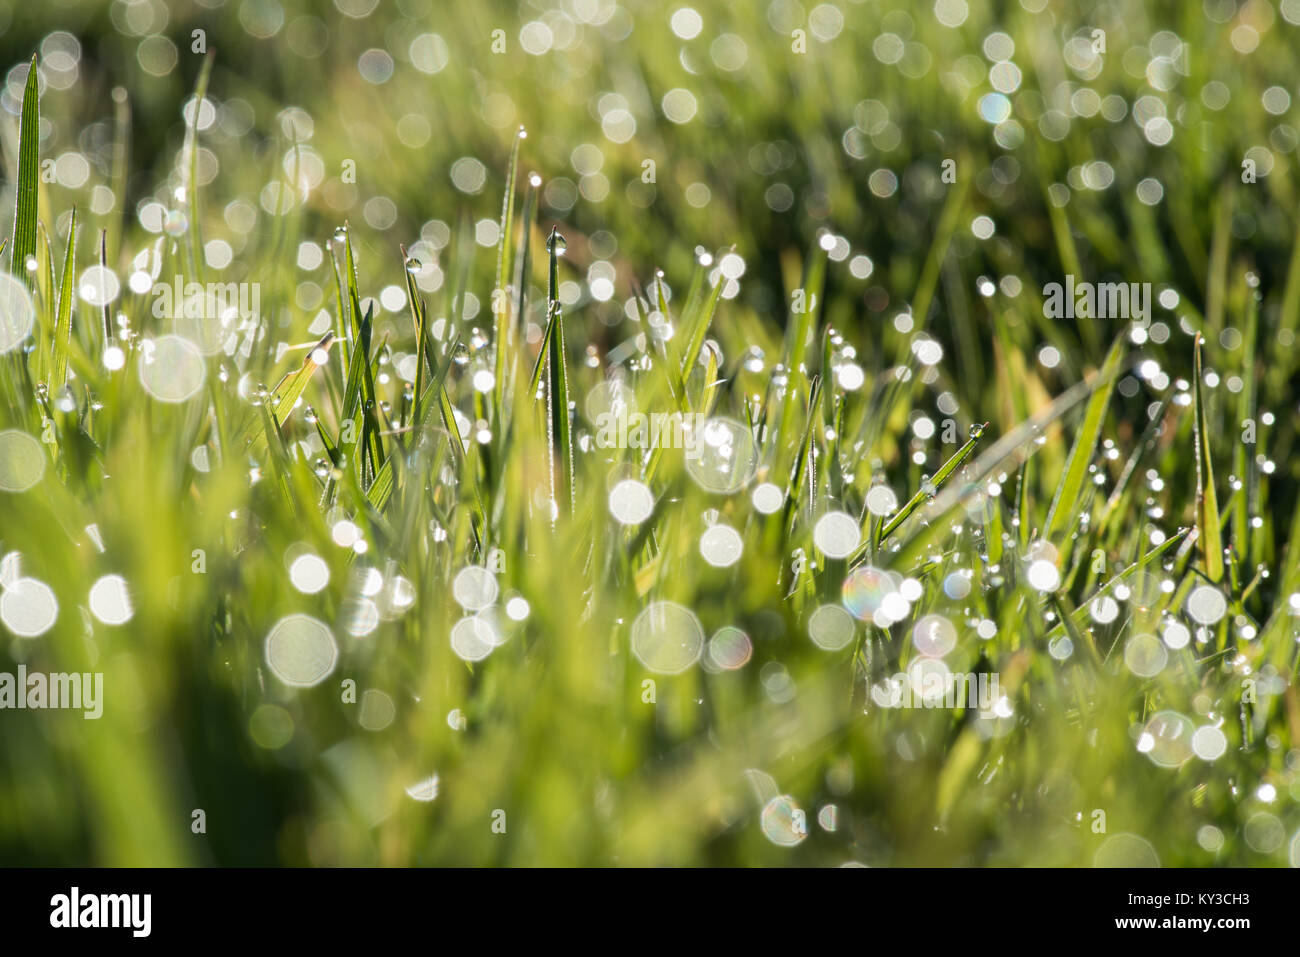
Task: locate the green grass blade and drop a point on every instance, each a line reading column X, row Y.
column 940, row 477
column 287, row 392
column 557, row 389
column 500, row 300
column 535, row 379
column 801, row 331
column 63, row 322
column 701, row 331
column 930, row 272
column 1243, row 457
column 1080, row 615
column 192, row 167
column 1085, row 442
column 24, row 236
column 292, row 386
column 1208, row 527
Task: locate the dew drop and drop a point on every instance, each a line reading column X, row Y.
column 555, row 243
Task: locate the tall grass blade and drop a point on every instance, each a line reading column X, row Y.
column 1085, row 442
column 191, row 167
column 1209, row 535
column 501, row 303
column 29, row 129
column 63, row 322
column 563, row 491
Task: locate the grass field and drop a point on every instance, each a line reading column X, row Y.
column 586, row 433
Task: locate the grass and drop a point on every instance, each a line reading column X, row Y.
column 1096, row 511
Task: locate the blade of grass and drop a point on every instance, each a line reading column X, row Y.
column 63, row 322
column 1085, row 442
column 287, row 391
column 1080, row 614
column 1016, row 445
column 191, row 167
column 120, row 163
column 796, row 349
column 557, row 389
column 1243, row 459
column 701, row 331
column 500, row 300
column 1220, row 240
column 929, row 279
column 936, row 483
column 1209, row 535
column 382, row 487
column 24, row 236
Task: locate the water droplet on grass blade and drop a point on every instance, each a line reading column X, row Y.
column 555, row 243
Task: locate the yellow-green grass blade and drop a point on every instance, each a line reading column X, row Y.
column 801, row 330
column 63, row 322
column 1209, row 533
column 24, row 235
column 925, row 493
column 191, row 167
column 1085, row 442
column 557, row 387
column 500, row 299
column 701, row 331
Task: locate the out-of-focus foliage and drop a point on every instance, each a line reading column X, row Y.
column 359, row 616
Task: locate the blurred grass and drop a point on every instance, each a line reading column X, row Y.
column 557, row 732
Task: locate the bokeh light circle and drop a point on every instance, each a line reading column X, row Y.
column 17, row 312
column 667, row 637
column 172, row 370
column 301, row 651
